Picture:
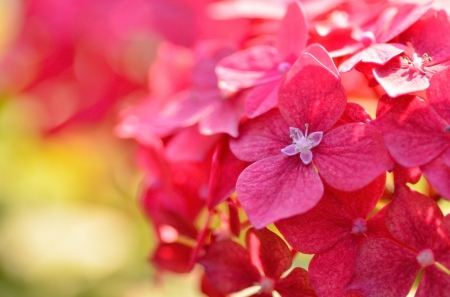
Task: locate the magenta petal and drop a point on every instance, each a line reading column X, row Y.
column 208, row 289
column 295, row 284
column 398, row 81
column 172, row 257
column 278, row 187
column 320, row 53
column 438, row 94
column 360, row 203
column 228, row 267
column 383, row 269
column 318, row 229
column 290, row 150
column 404, row 15
column 434, row 283
column 261, row 137
column 348, row 149
column 376, row 53
column 293, row 32
column 430, row 35
column 413, row 218
column 437, row 173
column 269, row 252
column 261, row 99
column 419, row 137
column 225, row 171
column 332, row 270
column 315, row 138
column 355, row 113
column 306, row 157
column 248, row 68
column 224, row 118
column 311, row 94
column 190, row 145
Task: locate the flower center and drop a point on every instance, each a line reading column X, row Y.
column 425, row 258
column 266, row 284
column 284, row 67
column 302, row 143
column 418, row 63
column 359, row 226
column 367, row 38
column 447, row 129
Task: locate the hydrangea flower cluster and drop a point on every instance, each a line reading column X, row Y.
column 257, row 147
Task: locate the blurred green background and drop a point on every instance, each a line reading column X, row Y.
column 70, row 224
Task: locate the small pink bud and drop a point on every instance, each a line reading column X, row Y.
column 425, row 258
column 359, row 226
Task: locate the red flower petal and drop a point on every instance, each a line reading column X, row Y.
column 208, row 289
column 224, row 118
column 261, row 137
column 355, row 113
column 360, row 203
column 249, row 67
column 430, row 35
column 332, row 270
column 437, row 173
column 320, row 53
column 398, row 81
column 413, row 218
column 434, row 283
column 225, row 171
column 438, row 94
column 418, row 137
column 228, row 267
column 261, row 99
column 278, row 187
column 348, row 149
column 172, row 257
column 269, row 252
column 311, row 94
column 293, row 32
column 404, row 15
column 295, row 284
column 189, row 145
column 379, row 54
column 384, row 269
column 318, row 229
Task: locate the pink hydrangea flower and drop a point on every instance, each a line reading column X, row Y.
column 230, row 267
column 334, row 230
column 283, row 180
column 421, row 137
column 385, row 267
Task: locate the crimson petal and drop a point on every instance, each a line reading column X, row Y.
column 228, row 267
column 437, row 173
column 269, row 251
column 318, row 229
column 413, row 132
column 383, row 269
column 261, row 137
column 376, row 53
column 413, row 218
column 311, row 94
column 293, row 32
column 332, row 270
column 348, row 149
column 278, row 187
column 296, row 284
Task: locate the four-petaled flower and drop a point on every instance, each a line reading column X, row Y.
column 279, row 185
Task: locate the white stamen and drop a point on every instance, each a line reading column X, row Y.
column 302, row 144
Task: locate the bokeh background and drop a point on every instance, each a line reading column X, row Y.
column 70, row 222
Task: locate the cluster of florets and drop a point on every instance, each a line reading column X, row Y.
column 259, row 122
